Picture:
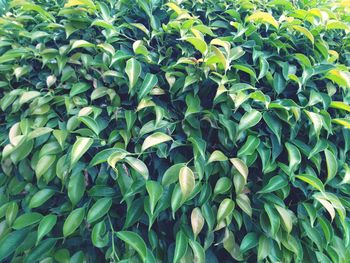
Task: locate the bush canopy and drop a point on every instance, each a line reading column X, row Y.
column 174, row 131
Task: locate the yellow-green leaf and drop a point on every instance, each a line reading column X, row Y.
column 241, row 167
column 81, row 145
column 198, row 43
column 264, row 18
column 187, row 181
column 332, row 164
column 217, row 156
column 197, row 221
column 155, row 139
column 133, row 70
column 312, row 180
column 286, row 216
column 80, row 44
column 305, row 32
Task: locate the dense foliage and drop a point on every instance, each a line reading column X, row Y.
column 188, row 131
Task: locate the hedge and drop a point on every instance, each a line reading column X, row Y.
column 174, row 131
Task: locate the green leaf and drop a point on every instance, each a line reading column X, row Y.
column 222, row 186
column 275, row 183
column 39, row 132
column 336, row 24
column 264, row 247
column 305, row 32
column 135, row 241
column 274, row 124
column 115, row 157
column 101, row 157
column 44, row 164
column 286, row 216
column 187, row 182
column 45, row 226
column 148, row 84
column 26, row 219
column 60, row 136
column 99, row 209
column 209, row 216
column 171, row 175
column 231, row 246
column 246, row 69
column 264, row 67
column 346, row 178
column 313, row 181
column 10, row 242
column 99, row 237
column 73, row 221
column 243, row 202
column 76, row 188
column 326, row 204
column 197, row 221
column 102, row 23
column 139, row 166
column 332, row 165
column 81, row 44
column 220, row 56
column 316, row 120
column 198, row 44
column 91, row 124
column 342, row 122
column 273, row 218
column 304, row 60
column 342, row 78
column 79, row 88
column 41, row 197
column 340, row 105
column 155, row 139
column 249, row 241
column 88, row 3
column 241, row 167
column 264, row 18
column 41, row 251
column 217, row 156
column 155, row 192
column 320, row 146
column 249, row 146
column 81, row 145
column 294, row 156
column 181, row 245
column 133, row 70
column 279, row 83
column 249, row 119
column 226, row 207
column 198, row 252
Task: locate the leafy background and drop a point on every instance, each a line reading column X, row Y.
column 188, row 131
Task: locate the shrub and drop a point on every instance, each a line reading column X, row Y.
column 188, row 131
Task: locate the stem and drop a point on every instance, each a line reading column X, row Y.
column 114, row 253
column 189, row 161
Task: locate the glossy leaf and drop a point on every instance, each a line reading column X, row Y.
column 45, row 226
column 187, row 181
column 135, row 241
column 73, row 221
column 99, row 209
column 26, row 219
column 180, row 246
column 133, row 70
column 154, row 139
column 80, row 146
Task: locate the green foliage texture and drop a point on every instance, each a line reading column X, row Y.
column 174, row 131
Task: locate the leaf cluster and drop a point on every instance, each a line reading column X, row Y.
column 174, row 131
